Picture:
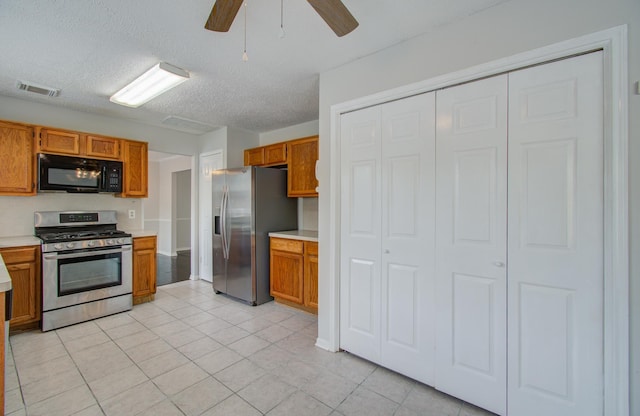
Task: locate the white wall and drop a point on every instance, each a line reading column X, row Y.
column 183, row 210
column 504, row 30
column 307, row 207
column 151, row 205
column 310, row 128
column 237, row 141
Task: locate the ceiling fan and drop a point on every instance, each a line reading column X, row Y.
column 334, row 13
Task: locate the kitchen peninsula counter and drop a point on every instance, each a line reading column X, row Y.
column 5, row 286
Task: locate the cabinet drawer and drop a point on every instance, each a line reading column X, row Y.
column 283, row 244
column 311, row 247
column 144, row 243
column 19, row 255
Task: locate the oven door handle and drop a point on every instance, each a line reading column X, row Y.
column 84, row 253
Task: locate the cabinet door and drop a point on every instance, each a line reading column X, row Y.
column 275, row 154
column 17, row 163
column 60, row 141
column 135, row 169
column 302, row 158
column 23, row 265
column 144, row 266
column 287, row 270
column 311, row 275
column 254, row 157
column 103, row 147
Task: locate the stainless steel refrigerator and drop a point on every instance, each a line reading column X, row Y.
column 248, row 203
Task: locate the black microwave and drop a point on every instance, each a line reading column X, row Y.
column 78, row 174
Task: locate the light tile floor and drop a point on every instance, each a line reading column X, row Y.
column 191, row 352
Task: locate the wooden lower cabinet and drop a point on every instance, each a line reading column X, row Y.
column 23, row 264
column 294, row 273
column 144, row 269
column 311, row 274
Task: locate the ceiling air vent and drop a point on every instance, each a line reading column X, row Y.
column 186, row 125
column 38, row 89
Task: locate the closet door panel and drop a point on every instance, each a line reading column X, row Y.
column 360, row 267
column 408, row 215
column 556, row 238
column 471, row 186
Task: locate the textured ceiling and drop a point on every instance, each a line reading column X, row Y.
column 91, row 48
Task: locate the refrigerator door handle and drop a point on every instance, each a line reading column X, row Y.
column 225, row 242
column 222, row 227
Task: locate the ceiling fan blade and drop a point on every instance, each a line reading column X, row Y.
column 222, row 15
column 336, row 14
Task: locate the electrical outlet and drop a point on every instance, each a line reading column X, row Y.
column 132, row 214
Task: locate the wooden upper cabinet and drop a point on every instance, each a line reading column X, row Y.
column 59, row 141
column 271, row 155
column 275, row 154
column 254, row 157
column 72, row 143
column 103, row 147
column 302, row 158
column 135, row 169
column 17, row 160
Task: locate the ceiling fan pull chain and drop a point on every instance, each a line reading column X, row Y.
column 245, row 57
column 282, row 34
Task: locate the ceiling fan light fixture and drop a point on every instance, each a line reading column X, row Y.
column 157, row 80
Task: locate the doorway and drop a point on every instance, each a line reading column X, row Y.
column 168, row 213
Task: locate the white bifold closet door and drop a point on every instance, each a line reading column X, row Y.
column 471, row 237
column 471, row 253
column 387, row 287
column 555, row 262
column 520, row 290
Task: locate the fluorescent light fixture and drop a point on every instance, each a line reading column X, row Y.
column 162, row 77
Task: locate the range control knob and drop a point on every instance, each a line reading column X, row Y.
column 58, row 246
column 120, row 240
column 91, row 243
column 70, row 245
column 111, row 242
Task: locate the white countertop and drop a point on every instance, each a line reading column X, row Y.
column 306, row 235
column 141, row 233
column 23, row 240
column 5, row 279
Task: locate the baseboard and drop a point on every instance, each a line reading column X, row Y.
column 324, row 344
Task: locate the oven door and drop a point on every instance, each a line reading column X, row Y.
column 75, row 277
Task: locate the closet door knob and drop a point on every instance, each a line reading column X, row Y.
column 498, row 264
column 386, row 251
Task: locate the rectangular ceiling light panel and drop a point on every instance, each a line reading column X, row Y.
column 162, row 77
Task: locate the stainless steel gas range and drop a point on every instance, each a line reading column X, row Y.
column 86, row 266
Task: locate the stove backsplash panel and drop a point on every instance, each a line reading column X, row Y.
column 16, row 213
